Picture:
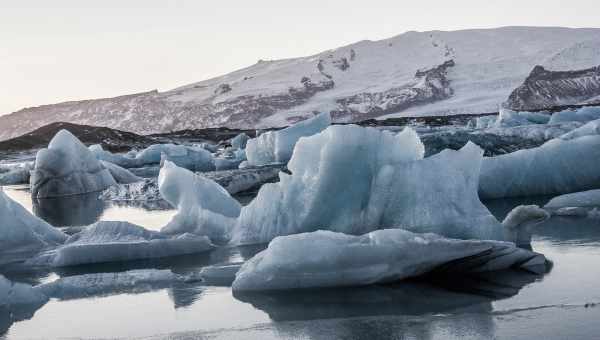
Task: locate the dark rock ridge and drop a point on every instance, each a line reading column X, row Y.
column 110, row 139
column 427, row 87
column 544, row 88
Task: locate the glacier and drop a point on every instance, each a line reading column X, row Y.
column 67, row 167
column 203, row 206
column 329, row 259
column 20, row 231
column 557, row 167
column 277, row 146
column 110, row 241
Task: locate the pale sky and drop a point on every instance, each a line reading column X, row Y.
column 53, row 51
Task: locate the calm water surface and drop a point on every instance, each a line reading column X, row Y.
column 558, row 305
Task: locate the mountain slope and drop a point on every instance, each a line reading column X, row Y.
column 415, row 73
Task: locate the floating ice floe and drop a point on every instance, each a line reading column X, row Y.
column 584, row 115
column 194, row 159
column 102, row 284
column 124, row 161
column 589, row 129
column 328, row 259
column 557, row 167
column 203, row 206
column 355, row 180
column 20, row 231
column 121, row 175
column 509, row 118
column 240, row 141
column 120, row 241
column 277, row 146
column 66, row 168
column 17, row 173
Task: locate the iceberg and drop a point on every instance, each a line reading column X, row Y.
column 121, row 175
column 584, row 115
column 124, row 161
column 328, row 259
column 240, row 141
column 194, row 159
column 590, row 198
column 66, row 168
column 21, row 231
column 557, row 167
column 103, row 284
column 203, row 206
column 108, row 241
column 277, row 146
column 589, row 129
column 510, row 118
column 19, row 173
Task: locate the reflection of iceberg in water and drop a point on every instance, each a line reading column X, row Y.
column 411, row 309
column 569, row 230
column 10, row 315
column 439, row 295
column 76, row 210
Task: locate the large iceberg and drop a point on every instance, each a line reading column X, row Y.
column 277, row 146
column 108, row 241
column 21, row 231
column 557, row 167
column 329, row 259
column 66, row 168
column 203, row 206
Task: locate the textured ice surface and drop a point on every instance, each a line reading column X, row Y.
column 557, row 167
column 124, row 161
column 277, row 146
column 18, row 173
column 329, row 259
column 584, row 114
column 234, row 181
column 108, row 241
column 194, row 159
column 331, row 183
column 508, row 118
column 101, row 284
column 121, row 175
column 21, row 231
column 203, row 206
column 590, row 198
column 589, row 129
column 240, row 141
column 15, row 294
column 66, row 168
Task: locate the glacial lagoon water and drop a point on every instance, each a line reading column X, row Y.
column 562, row 304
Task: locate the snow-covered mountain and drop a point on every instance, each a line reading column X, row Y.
column 412, row 74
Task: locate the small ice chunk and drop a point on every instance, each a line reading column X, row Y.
column 557, row 167
column 108, row 241
column 328, row 259
column 21, row 231
column 277, row 146
column 590, row 198
column 240, row 141
column 203, row 206
column 102, row 284
column 194, row 159
column 121, row 175
column 66, row 168
column 220, row 275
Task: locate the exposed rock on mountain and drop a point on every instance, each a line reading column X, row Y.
column 544, row 88
column 363, row 80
